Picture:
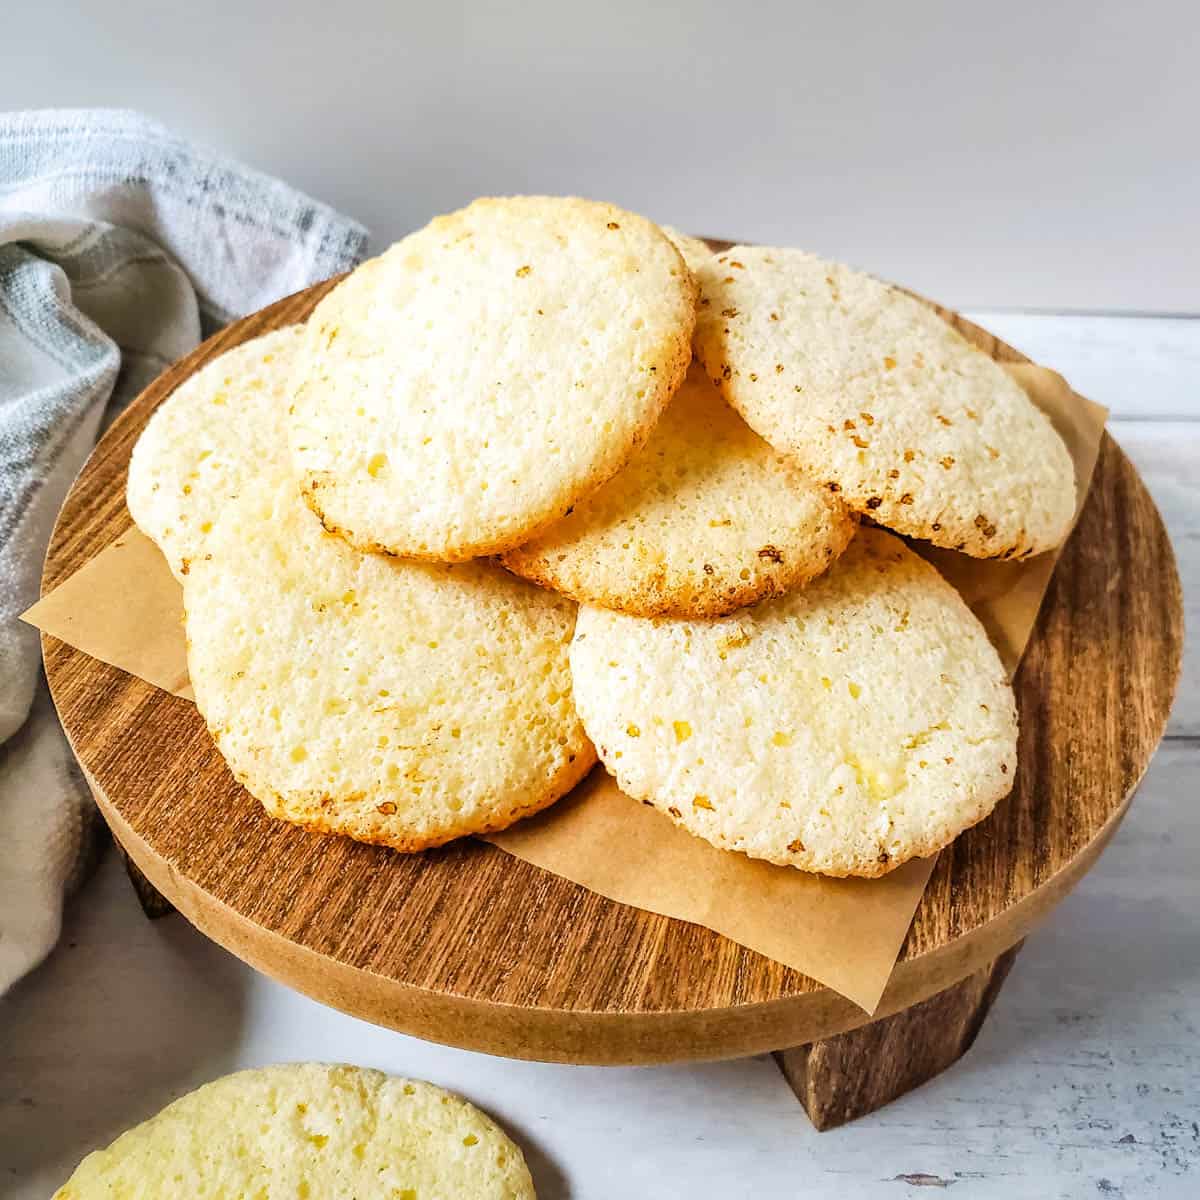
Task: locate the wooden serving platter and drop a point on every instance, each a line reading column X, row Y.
column 469, row 946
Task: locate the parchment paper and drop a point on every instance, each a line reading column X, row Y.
column 125, row 608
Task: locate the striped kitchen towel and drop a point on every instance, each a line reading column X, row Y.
column 121, row 246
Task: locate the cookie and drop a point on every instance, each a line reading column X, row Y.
column 309, row 1129
column 844, row 728
column 462, row 392
column 704, row 519
column 396, row 702
column 883, row 403
column 211, row 434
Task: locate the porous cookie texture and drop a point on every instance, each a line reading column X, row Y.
column 399, row 703
column 211, row 435
column 694, row 250
column 461, row 392
column 882, row 402
column 844, row 728
column 704, row 519
column 310, row 1129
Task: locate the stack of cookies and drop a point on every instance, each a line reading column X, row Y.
column 545, row 482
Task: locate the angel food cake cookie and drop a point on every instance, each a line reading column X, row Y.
column 704, row 519
column 463, row 391
column 400, row 703
column 210, row 438
column 883, row 403
column 845, row 728
column 309, row 1129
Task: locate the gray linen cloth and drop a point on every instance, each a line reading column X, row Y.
column 121, row 246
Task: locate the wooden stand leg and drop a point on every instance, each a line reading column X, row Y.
column 154, row 903
column 855, row 1073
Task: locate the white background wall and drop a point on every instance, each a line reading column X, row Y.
column 1014, row 154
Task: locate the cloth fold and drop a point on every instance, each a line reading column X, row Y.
column 121, row 246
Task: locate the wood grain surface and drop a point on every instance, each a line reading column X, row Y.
column 469, row 946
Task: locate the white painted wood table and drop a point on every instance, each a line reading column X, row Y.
column 1084, row 1082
